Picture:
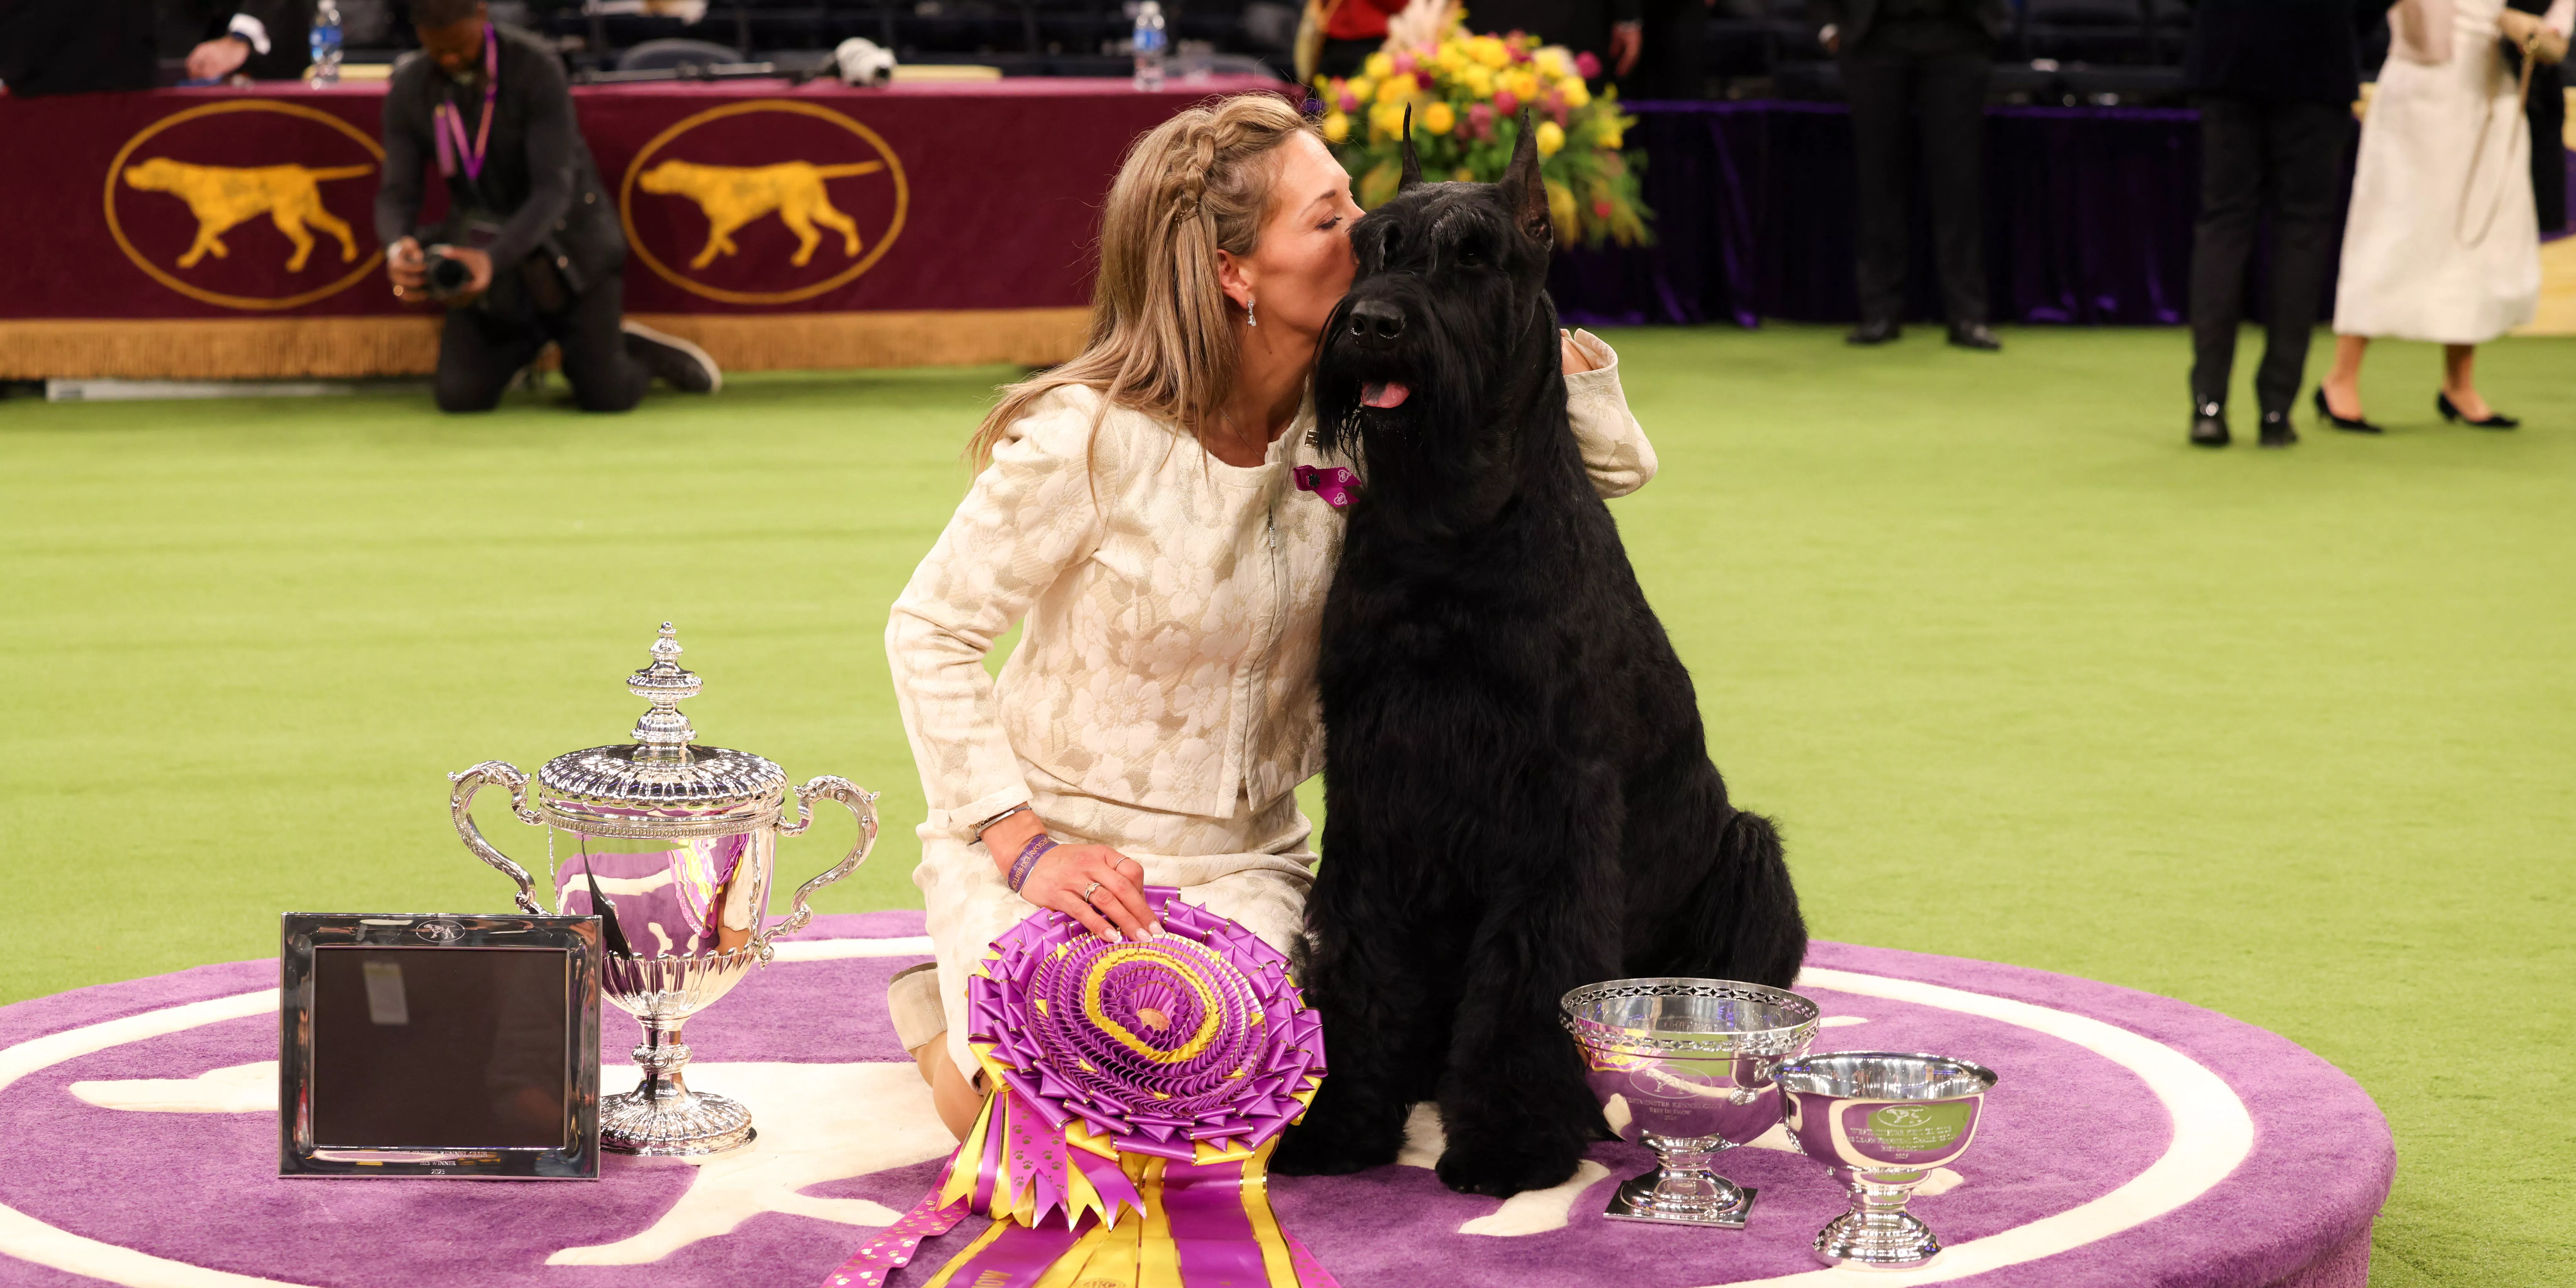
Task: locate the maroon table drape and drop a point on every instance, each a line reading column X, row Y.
column 738, row 197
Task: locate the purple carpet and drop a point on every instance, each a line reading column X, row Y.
column 2133, row 1140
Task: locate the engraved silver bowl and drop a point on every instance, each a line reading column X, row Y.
column 1683, row 1066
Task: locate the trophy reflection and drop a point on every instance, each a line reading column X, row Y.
column 672, row 844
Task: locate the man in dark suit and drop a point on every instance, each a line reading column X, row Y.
column 528, row 220
column 2274, row 81
column 1927, row 59
column 261, row 39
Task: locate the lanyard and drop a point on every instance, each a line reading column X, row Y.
column 447, row 119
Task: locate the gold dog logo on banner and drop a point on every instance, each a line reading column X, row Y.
column 824, row 236
column 221, row 198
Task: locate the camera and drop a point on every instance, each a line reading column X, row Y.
column 447, row 276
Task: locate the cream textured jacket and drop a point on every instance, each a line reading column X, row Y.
column 1172, row 605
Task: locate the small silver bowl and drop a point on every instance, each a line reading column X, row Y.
column 1882, row 1120
column 1690, row 1060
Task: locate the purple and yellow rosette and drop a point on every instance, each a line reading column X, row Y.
column 1138, row 1090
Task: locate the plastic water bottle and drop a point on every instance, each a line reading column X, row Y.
column 1149, row 45
column 326, row 44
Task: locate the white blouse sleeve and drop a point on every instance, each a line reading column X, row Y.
column 1615, row 451
column 1030, row 515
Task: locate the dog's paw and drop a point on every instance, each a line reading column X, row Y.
column 1307, row 1151
column 1503, row 1168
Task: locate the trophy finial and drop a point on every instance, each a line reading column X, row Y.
column 663, row 731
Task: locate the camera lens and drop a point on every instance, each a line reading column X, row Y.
column 448, row 276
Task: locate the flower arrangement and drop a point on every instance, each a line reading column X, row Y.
column 1466, row 93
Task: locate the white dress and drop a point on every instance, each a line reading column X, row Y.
column 1162, row 697
column 2442, row 243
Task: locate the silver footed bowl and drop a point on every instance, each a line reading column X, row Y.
column 1882, row 1120
column 1683, row 1066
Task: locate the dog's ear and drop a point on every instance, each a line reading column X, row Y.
column 1525, row 190
column 1412, row 163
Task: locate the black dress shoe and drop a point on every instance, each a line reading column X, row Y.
column 2354, row 425
column 1974, row 335
column 1874, row 331
column 2209, row 425
column 2451, row 412
column 2276, row 431
column 679, row 364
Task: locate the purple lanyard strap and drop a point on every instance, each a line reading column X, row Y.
column 446, row 119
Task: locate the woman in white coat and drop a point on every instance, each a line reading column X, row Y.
column 1153, row 513
column 2442, row 244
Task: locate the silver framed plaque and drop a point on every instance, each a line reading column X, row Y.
column 455, row 1046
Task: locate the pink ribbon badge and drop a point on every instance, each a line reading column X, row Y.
column 1336, row 485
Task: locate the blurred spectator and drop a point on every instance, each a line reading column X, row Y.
column 2442, row 242
column 53, row 47
column 530, row 230
column 2274, row 81
column 2546, row 105
column 1353, row 30
column 1925, row 59
column 1672, row 59
column 261, row 39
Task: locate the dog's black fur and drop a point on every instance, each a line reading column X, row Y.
column 1520, row 799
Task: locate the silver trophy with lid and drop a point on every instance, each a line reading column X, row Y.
column 679, row 841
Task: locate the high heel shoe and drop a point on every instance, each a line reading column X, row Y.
column 2451, row 412
column 2353, row 425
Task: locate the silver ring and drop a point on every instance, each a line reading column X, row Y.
column 1092, row 889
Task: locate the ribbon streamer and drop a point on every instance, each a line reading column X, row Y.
column 1138, row 1091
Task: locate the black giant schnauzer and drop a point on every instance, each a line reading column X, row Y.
column 1519, row 794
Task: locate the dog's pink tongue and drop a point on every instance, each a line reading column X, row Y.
column 1384, row 393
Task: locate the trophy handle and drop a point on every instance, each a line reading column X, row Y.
column 499, row 773
column 863, row 804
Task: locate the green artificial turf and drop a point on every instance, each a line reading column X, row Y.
column 2024, row 677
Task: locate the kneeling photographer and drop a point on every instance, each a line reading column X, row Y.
column 531, row 250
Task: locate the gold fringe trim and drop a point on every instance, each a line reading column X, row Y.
column 272, row 348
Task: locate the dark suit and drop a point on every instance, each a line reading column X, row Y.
column 182, row 25
column 539, row 211
column 2274, row 81
column 1927, row 60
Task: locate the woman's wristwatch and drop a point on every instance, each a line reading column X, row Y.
column 976, row 833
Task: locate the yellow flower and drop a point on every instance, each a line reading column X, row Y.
column 1523, row 85
column 1451, row 59
column 1438, row 117
column 1361, row 88
column 1395, row 89
column 1551, row 138
column 1576, row 93
column 1479, row 80
column 1491, row 51
column 1551, row 61
column 1387, row 119
column 1463, row 175
column 1379, row 66
column 1560, row 208
column 1610, row 138
column 1337, row 127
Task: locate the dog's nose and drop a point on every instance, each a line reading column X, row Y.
column 1376, row 320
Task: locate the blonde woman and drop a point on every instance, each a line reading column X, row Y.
column 1139, row 511
column 2442, row 243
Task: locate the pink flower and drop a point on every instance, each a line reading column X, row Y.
column 1556, row 110
column 1506, row 102
column 1587, row 66
column 1350, row 103
column 1520, row 52
column 1404, row 63
column 1601, row 209
column 1480, row 120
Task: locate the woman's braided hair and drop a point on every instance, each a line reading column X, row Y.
column 1163, row 338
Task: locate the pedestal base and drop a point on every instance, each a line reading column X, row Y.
column 1636, row 1200
column 684, row 1126
column 1877, row 1240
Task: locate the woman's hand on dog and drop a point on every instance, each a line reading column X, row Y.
column 1063, row 873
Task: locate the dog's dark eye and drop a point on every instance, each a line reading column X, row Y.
column 1471, row 255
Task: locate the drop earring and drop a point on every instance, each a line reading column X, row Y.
column 1248, row 318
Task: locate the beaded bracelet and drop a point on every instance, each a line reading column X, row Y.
column 1030, row 853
